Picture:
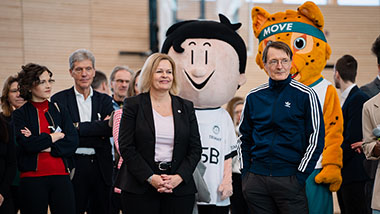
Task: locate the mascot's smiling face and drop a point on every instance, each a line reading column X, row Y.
column 302, row 31
column 208, row 71
column 210, row 59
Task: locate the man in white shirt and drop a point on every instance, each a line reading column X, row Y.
column 89, row 111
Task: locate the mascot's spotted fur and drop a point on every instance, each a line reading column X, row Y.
column 302, row 30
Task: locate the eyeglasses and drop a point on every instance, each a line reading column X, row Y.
column 79, row 69
column 44, row 82
column 284, row 62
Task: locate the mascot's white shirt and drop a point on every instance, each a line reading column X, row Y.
column 218, row 140
column 321, row 89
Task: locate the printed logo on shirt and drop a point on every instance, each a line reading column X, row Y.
column 287, row 104
column 216, row 129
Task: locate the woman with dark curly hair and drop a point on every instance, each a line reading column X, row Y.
column 47, row 140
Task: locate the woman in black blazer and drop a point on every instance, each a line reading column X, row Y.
column 159, row 142
column 47, row 140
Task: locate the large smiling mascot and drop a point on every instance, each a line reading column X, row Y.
column 302, row 31
column 210, row 59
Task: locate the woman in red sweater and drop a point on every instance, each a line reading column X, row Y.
column 47, row 140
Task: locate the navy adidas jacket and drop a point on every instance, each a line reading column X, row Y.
column 282, row 130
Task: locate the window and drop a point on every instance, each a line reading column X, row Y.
column 359, row 3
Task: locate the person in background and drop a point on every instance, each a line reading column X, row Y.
column 115, row 124
column 238, row 203
column 90, row 111
column 47, row 141
column 159, row 143
column 120, row 78
column 351, row 196
column 133, row 88
column 11, row 100
column 371, row 89
column 371, row 143
column 100, row 83
column 282, row 137
column 8, row 166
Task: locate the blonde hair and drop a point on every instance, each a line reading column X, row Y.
column 150, row 65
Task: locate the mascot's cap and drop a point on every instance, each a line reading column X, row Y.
column 222, row 30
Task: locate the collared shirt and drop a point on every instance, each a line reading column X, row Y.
column 345, row 94
column 84, row 106
column 378, row 77
column 85, row 110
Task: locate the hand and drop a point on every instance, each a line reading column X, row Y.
column 158, row 183
column 57, row 136
column 46, row 150
column 171, row 181
column 376, row 149
column 357, row 147
column 107, row 117
column 26, row 132
column 225, row 188
column 1, row 200
column 330, row 174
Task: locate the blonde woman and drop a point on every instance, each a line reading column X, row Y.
column 159, row 142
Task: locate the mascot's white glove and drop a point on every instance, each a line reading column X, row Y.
column 225, row 188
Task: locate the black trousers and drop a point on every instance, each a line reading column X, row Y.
column 213, row 209
column 351, row 198
column 238, row 204
column 36, row 193
column 153, row 202
column 269, row 194
column 7, row 207
column 91, row 192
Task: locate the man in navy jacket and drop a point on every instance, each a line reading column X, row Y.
column 89, row 111
column 282, row 137
column 351, row 194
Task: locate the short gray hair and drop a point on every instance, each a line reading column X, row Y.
column 119, row 68
column 81, row 55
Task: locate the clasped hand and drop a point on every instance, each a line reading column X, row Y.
column 165, row 183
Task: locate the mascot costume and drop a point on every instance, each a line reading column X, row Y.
column 302, row 30
column 210, row 59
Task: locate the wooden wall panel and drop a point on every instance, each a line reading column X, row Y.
column 47, row 31
column 11, row 38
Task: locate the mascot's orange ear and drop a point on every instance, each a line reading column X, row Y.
column 312, row 11
column 259, row 17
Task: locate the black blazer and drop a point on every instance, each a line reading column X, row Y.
column 353, row 169
column 27, row 116
column 94, row 134
column 372, row 88
column 137, row 145
column 8, row 164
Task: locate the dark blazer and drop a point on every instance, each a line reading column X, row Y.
column 137, row 145
column 372, row 88
column 8, row 163
column 94, row 134
column 353, row 169
column 27, row 116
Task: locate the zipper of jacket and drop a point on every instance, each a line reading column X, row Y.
column 63, row 159
column 274, row 135
column 39, row 133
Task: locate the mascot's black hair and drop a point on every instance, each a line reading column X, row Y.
column 222, row 30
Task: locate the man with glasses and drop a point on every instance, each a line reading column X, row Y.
column 89, row 111
column 120, row 78
column 282, row 137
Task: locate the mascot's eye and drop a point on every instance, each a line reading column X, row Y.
column 299, row 43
